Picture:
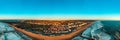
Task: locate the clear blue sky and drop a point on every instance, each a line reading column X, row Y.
column 51, row 9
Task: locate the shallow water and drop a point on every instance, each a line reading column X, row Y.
column 8, row 33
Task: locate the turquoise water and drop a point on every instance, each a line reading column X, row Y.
column 8, row 33
column 96, row 31
column 112, row 28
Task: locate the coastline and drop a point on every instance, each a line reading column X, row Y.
column 36, row 37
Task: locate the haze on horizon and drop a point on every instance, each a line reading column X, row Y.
column 60, row 9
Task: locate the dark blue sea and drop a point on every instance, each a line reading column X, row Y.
column 112, row 27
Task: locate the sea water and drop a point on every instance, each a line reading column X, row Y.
column 102, row 30
column 112, row 27
column 8, row 33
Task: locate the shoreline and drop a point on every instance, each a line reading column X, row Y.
column 30, row 34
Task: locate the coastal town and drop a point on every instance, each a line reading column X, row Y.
column 51, row 29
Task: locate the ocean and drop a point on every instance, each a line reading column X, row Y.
column 112, row 27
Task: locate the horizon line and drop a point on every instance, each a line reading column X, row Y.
column 58, row 19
